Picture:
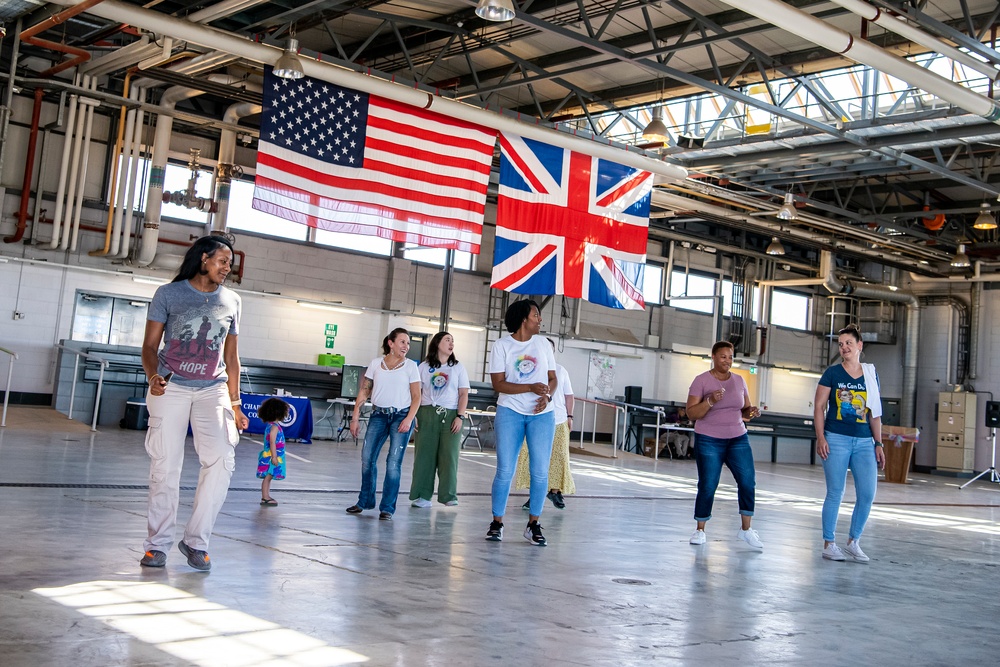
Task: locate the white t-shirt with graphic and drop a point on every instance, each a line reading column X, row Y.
column 439, row 386
column 563, row 390
column 391, row 389
column 523, row 363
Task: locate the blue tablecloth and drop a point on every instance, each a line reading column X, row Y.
column 298, row 425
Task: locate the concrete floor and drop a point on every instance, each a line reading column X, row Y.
column 304, row 583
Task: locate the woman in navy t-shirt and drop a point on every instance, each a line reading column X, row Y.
column 848, row 418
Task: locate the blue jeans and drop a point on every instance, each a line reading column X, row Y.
column 710, row 453
column 858, row 456
column 513, row 429
column 383, row 423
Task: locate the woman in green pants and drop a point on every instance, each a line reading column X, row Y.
column 444, row 395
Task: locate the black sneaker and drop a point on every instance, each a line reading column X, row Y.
column 384, row 516
column 495, row 533
column 197, row 559
column 153, row 559
column 354, row 509
column 557, row 499
column 533, row 533
column 526, row 506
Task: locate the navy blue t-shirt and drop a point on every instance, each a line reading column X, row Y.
column 847, row 410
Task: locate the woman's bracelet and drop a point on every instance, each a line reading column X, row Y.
column 151, row 377
column 710, row 403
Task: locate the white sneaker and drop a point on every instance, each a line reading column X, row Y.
column 853, row 550
column 833, row 552
column 420, row 502
column 451, row 503
column 751, row 537
column 698, row 537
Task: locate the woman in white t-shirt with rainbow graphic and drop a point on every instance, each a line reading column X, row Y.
column 523, row 372
column 444, row 395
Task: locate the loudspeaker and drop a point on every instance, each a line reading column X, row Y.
column 633, row 395
column 993, row 414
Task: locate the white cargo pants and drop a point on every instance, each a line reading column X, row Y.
column 210, row 413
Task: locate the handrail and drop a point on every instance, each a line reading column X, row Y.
column 10, row 374
column 660, row 413
column 593, row 429
column 76, row 370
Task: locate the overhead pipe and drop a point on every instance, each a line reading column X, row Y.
column 115, row 152
column 216, row 39
column 136, row 158
column 120, row 58
column 88, row 124
column 678, row 203
column 158, row 166
column 63, row 168
column 8, row 104
column 842, row 42
column 123, row 182
column 74, row 172
column 897, row 24
column 226, row 163
column 29, row 169
column 975, row 277
column 79, row 55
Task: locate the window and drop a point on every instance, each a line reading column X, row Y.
column 376, row 245
column 727, row 300
column 789, row 309
column 652, row 284
column 175, row 179
column 242, row 215
column 436, row 256
column 692, row 285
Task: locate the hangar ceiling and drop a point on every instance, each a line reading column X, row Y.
column 876, row 165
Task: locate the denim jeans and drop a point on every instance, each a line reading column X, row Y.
column 512, row 430
column 858, row 456
column 383, row 423
column 709, row 454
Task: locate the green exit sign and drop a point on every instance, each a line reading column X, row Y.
column 753, row 370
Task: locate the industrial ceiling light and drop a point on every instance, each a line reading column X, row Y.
column 961, row 260
column 289, row 66
column 656, row 130
column 495, row 10
column 985, row 219
column 775, row 247
column 787, row 210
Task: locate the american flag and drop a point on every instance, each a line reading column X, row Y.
column 570, row 224
column 346, row 161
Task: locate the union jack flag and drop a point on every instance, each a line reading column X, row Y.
column 570, row 224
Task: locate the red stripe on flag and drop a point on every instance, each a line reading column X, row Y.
column 626, row 286
column 527, row 173
column 366, row 229
column 577, row 227
column 405, row 130
column 630, row 184
column 335, row 206
column 417, row 112
column 367, row 185
column 440, row 158
column 539, row 259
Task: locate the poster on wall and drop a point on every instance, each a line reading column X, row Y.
column 601, row 376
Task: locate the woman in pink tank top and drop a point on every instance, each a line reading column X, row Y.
column 719, row 402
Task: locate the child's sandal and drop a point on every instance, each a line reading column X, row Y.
column 268, row 501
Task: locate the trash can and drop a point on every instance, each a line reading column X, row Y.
column 898, row 443
column 136, row 415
